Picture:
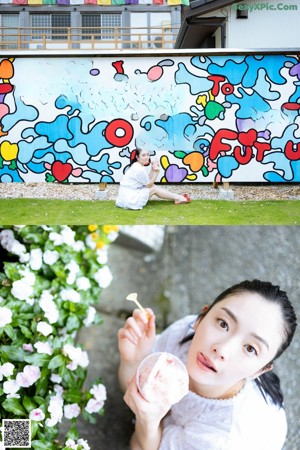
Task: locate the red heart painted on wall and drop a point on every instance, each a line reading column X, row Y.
column 61, row 171
column 247, row 138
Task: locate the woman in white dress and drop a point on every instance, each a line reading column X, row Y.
column 234, row 401
column 137, row 186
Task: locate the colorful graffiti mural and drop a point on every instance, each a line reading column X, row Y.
column 205, row 117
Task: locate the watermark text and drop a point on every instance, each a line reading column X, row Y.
column 264, row 7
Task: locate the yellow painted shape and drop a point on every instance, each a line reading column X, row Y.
column 164, row 162
column 201, row 100
column 192, row 177
column 8, row 151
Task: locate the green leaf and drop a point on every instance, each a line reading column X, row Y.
column 55, row 362
column 10, row 332
column 27, row 333
column 34, row 428
column 73, row 396
column 14, row 406
column 73, row 323
column 37, row 359
column 13, row 353
column 72, row 434
column 29, row 404
column 12, row 271
column 40, row 445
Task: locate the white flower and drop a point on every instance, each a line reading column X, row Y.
column 70, row 294
column 49, row 307
column 6, row 370
column 29, row 376
column 28, row 276
column 36, row 259
column 17, row 248
column 93, row 406
column 50, row 257
column 43, row 347
column 59, row 390
column 73, row 267
column 112, row 235
column 55, row 408
column 83, row 283
column 27, row 347
column 44, row 328
column 79, row 246
column 71, row 444
column 10, row 387
column 6, row 239
column 56, row 238
column 37, row 415
column 99, row 392
column 84, row 444
column 55, row 378
column 68, row 236
column 5, row 316
column 103, row 277
column 102, row 255
column 71, row 411
column 21, row 289
column 90, row 316
column 77, row 356
column 90, row 242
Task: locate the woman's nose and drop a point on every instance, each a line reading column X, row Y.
column 221, row 351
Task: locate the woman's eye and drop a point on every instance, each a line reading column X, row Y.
column 223, row 324
column 251, row 349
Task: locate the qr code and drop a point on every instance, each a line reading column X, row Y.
column 16, row 433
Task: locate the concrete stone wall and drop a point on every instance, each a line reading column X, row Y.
column 193, row 265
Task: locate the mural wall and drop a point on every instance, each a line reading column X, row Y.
column 205, row 118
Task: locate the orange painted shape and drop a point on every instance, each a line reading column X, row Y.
column 195, row 160
column 6, row 69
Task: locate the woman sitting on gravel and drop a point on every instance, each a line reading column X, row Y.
column 137, row 186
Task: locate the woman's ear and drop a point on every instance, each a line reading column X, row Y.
column 261, row 371
column 203, row 311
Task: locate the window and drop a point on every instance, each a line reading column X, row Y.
column 9, row 24
column 93, row 24
column 52, row 26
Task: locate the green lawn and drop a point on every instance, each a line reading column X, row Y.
column 199, row 212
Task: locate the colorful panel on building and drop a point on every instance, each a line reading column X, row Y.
column 205, row 118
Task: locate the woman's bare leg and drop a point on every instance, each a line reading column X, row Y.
column 165, row 194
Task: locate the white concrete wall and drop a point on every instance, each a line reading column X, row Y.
column 265, row 27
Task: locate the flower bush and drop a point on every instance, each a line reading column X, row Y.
column 49, row 281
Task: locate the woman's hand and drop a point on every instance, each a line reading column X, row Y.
column 148, row 425
column 155, row 165
column 136, row 339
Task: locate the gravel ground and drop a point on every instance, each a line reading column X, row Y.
column 196, row 192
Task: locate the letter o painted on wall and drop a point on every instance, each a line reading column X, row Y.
column 119, row 132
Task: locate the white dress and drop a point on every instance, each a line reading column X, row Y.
column 133, row 193
column 243, row 422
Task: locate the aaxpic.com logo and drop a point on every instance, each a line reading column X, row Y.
column 264, row 7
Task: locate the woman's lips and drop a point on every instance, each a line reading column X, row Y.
column 205, row 363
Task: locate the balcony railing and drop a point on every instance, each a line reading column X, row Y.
column 106, row 38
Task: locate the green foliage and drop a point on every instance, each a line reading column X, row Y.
column 50, row 280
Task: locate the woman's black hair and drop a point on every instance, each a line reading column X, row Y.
column 268, row 382
column 134, row 155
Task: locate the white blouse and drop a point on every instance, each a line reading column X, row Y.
column 243, row 422
column 133, row 193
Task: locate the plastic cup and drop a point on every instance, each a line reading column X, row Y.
column 162, row 377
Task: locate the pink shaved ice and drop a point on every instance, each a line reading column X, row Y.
column 162, row 377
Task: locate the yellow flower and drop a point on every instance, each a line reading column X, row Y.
column 100, row 244
column 109, row 228
column 92, row 227
column 95, row 236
